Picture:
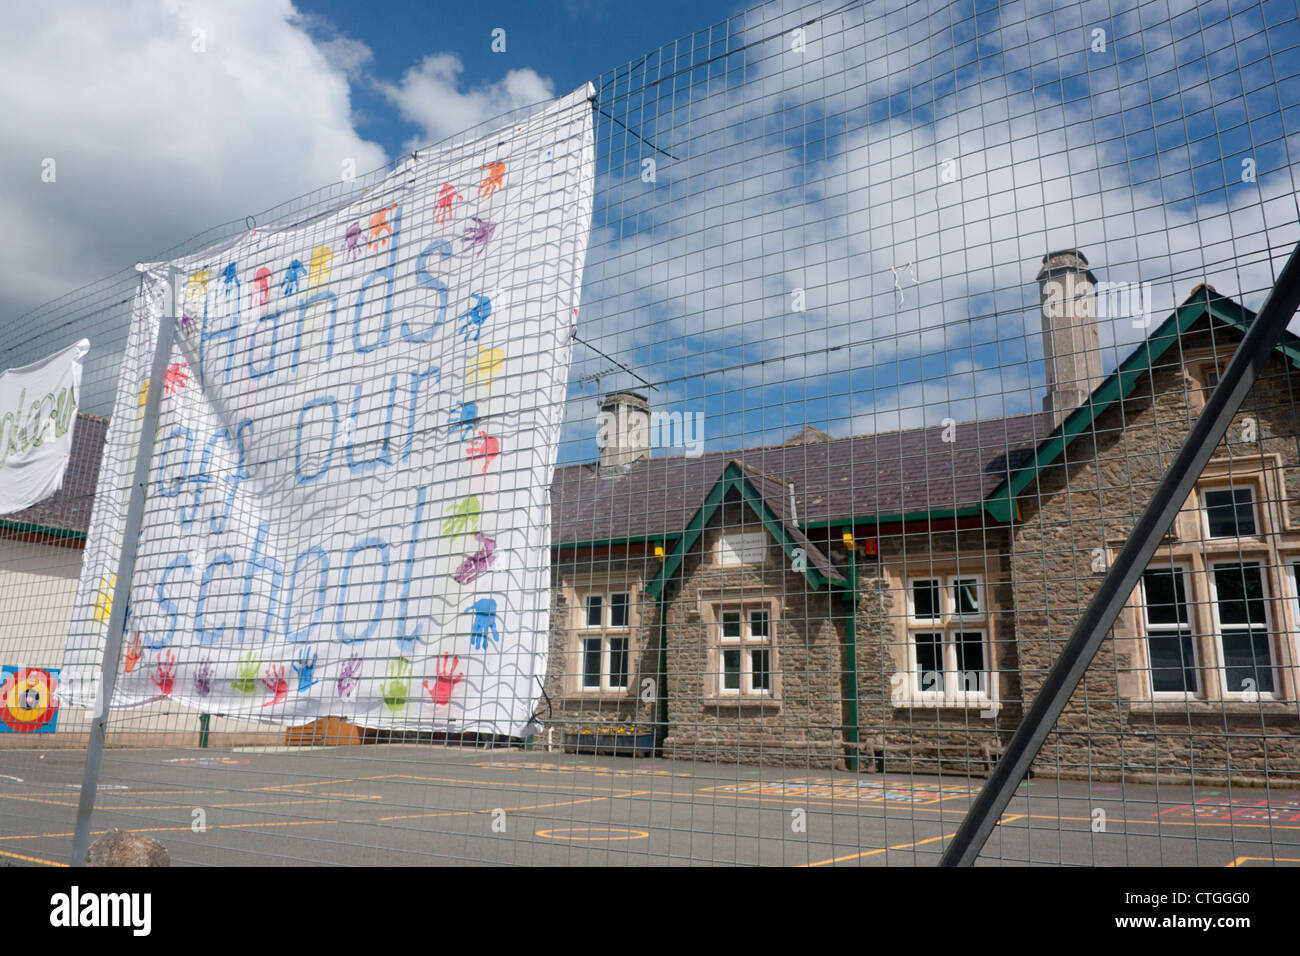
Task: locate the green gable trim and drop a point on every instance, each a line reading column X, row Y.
column 733, row 478
column 1000, row 504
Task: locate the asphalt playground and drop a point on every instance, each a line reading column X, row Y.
column 419, row 805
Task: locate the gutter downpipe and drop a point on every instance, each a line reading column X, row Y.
column 851, row 669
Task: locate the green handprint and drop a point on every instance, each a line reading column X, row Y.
column 246, row 682
column 398, row 685
column 462, row 518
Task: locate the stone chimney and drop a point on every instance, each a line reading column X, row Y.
column 623, row 434
column 1071, row 347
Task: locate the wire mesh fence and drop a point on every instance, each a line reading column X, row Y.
column 893, row 316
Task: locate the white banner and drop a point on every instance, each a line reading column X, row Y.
column 348, row 511
column 38, row 412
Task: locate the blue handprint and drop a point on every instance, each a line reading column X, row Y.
column 289, row 285
column 475, row 317
column 230, row 280
column 485, row 621
column 467, row 419
column 304, row 665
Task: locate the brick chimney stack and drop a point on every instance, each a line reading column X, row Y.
column 1071, row 346
column 623, row 436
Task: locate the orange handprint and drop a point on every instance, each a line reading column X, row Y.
column 134, row 651
column 494, row 181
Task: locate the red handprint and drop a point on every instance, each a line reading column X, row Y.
column 442, row 208
column 165, row 676
column 176, row 378
column 274, row 682
column 485, row 447
column 446, row 680
column 261, row 287
column 134, row 651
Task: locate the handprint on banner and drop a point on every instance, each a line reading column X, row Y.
column 347, row 680
column 442, row 208
column 494, row 181
column 321, row 257
column 466, row 420
column 198, row 283
column 479, row 234
column 398, row 686
column 203, row 679
column 261, row 293
column 289, row 284
column 462, row 517
column 475, row 317
column 188, row 324
column 484, row 623
column 134, row 651
column 165, row 676
column 476, row 565
column 175, row 378
column 485, row 447
column 304, row 666
column 445, row 681
column 274, row 682
column 353, row 237
column 246, row 682
column 380, row 228
column 486, row 366
column 104, row 599
column 230, row 280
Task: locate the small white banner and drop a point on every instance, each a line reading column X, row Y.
column 38, row 411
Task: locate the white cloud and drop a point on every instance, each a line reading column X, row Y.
column 430, row 96
column 162, row 120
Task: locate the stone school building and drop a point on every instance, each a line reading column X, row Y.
column 891, row 602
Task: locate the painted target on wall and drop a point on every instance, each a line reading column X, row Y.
column 27, row 701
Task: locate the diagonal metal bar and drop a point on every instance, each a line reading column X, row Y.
column 1251, row 356
column 125, row 572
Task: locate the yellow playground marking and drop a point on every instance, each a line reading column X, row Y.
column 585, row 834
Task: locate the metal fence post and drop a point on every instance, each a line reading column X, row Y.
column 1252, row 354
column 125, row 571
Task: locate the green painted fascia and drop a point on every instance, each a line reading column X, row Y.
column 733, row 477
column 661, row 539
column 1000, row 504
column 942, row 514
column 22, row 527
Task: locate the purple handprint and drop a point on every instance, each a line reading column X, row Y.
column 347, row 681
column 203, row 679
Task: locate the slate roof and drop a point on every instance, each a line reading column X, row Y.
column 68, row 509
column 889, row 474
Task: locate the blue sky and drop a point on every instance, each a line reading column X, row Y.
column 569, row 41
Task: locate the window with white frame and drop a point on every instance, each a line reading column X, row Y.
column 745, row 653
column 605, row 641
column 1242, row 628
column 1209, row 619
column 1230, row 511
column 948, row 639
column 1171, row 650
